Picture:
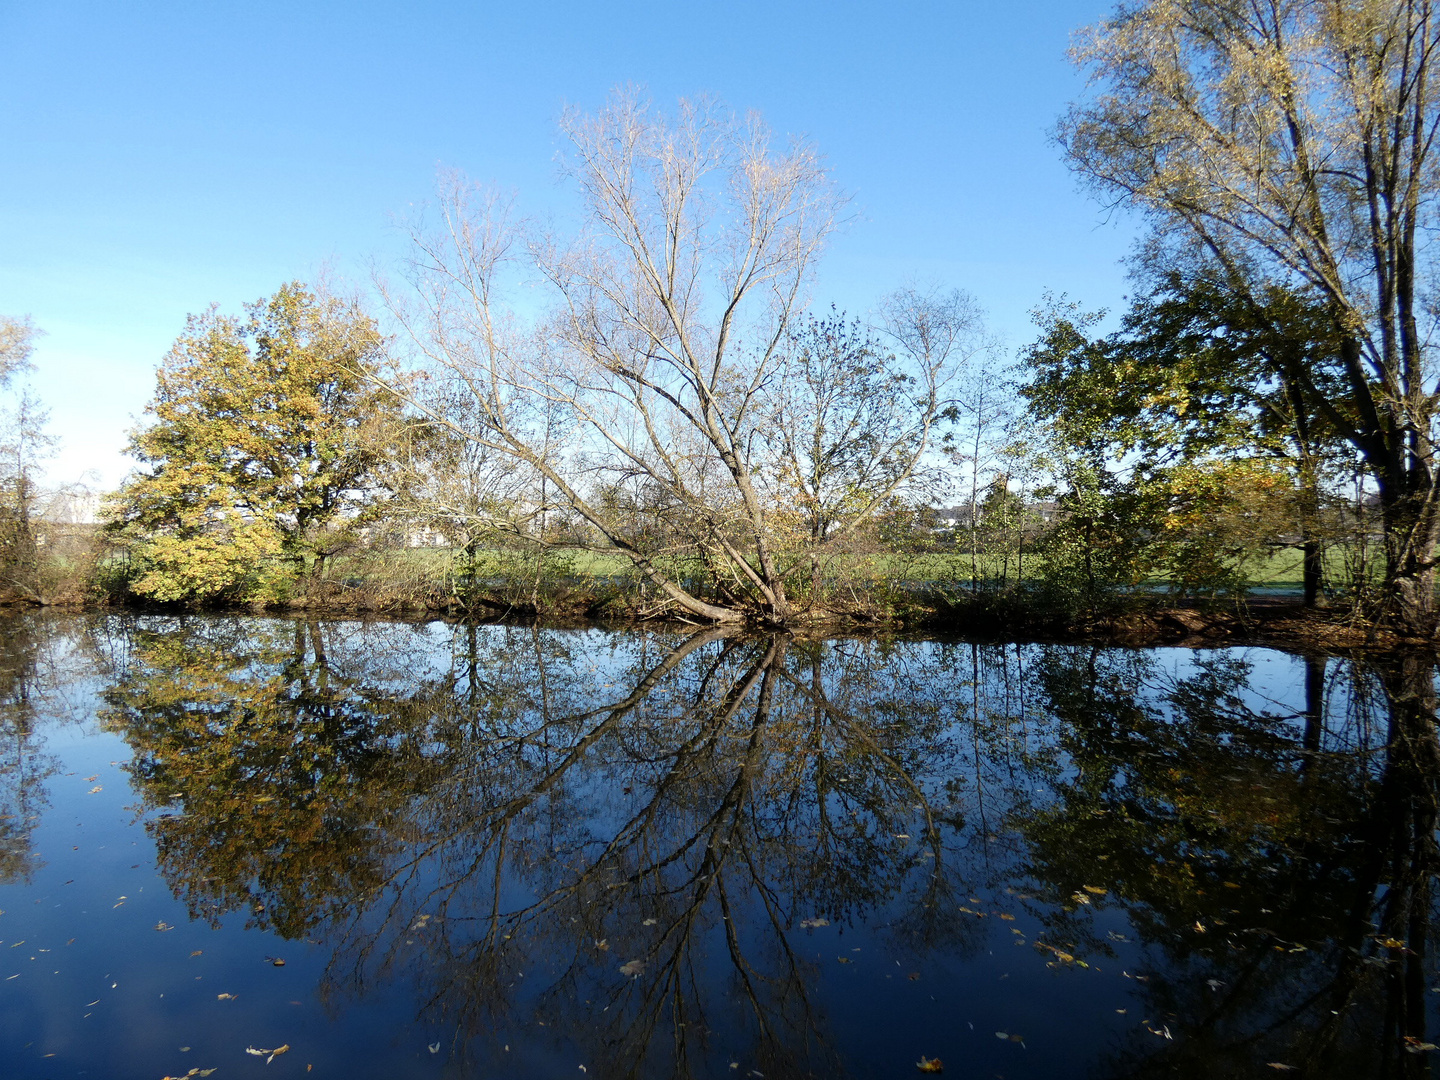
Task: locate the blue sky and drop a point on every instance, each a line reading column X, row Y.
column 160, row 157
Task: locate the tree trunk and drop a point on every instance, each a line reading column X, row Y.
column 1312, row 571
column 1409, row 520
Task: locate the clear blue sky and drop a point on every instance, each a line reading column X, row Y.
column 158, row 157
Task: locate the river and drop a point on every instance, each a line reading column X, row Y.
column 279, row 848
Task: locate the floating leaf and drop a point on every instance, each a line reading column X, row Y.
column 434, row 1047
column 162, row 926
column 811, row 924
column 1080, row 897
column 1095, row 890
column 1282, row 1067
column 603, row 945
column 224, row 997
column 843, row 959
column 649, row 922
column 272, row 1054
column 632, row 967
column 929, row 1065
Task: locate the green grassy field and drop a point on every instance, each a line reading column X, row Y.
column 1280, row 570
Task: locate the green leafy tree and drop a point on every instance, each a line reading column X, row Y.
column 1195, row 406
column 1293, row 143
column 266, row 439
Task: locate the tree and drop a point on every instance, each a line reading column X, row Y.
column 644, row 402
column 1291, row 144
column 24, row 444
column 266, row 438
column 844, row 428
column 1198, row 376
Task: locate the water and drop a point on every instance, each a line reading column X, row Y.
column 510, row 852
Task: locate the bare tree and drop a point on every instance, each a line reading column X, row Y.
column 645, row 399
column 857, row 408
column 1293, row 142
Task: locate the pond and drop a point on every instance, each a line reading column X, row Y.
column 273, row 848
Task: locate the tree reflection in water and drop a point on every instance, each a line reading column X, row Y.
column 36, row 665
column 507, row 817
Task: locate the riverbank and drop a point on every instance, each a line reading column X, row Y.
column 1271, row 621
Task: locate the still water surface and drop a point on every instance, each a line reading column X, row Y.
column 404, row 850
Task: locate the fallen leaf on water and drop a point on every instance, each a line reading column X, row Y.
column 1002, row 1034
column 275, row 960
column 1282, row 1067
column 913, row 976
column 273, row 1054
column 162, row 926
column 603, row 945
column 811, row 924
column 1095, row 890
column 92, row 779
column 1017, row 1038
column 843, row 959
column 434, row 1047
column 1080, row 897
column 931, row 1065
column 224, row 997
column 649, row 922
column 1415, row 1046
column 94, row 789
column 632, row 967
column 197, row 952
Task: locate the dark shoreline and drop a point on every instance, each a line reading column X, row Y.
column 1269, row 622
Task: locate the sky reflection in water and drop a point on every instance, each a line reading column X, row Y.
column 502, row 851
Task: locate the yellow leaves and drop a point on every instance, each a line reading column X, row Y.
column 273, row 1054
column 264, row 430
column 929, row 1065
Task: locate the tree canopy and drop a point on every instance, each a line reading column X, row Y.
column 650, row 404
column 265, row 441
column 1292, row 144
